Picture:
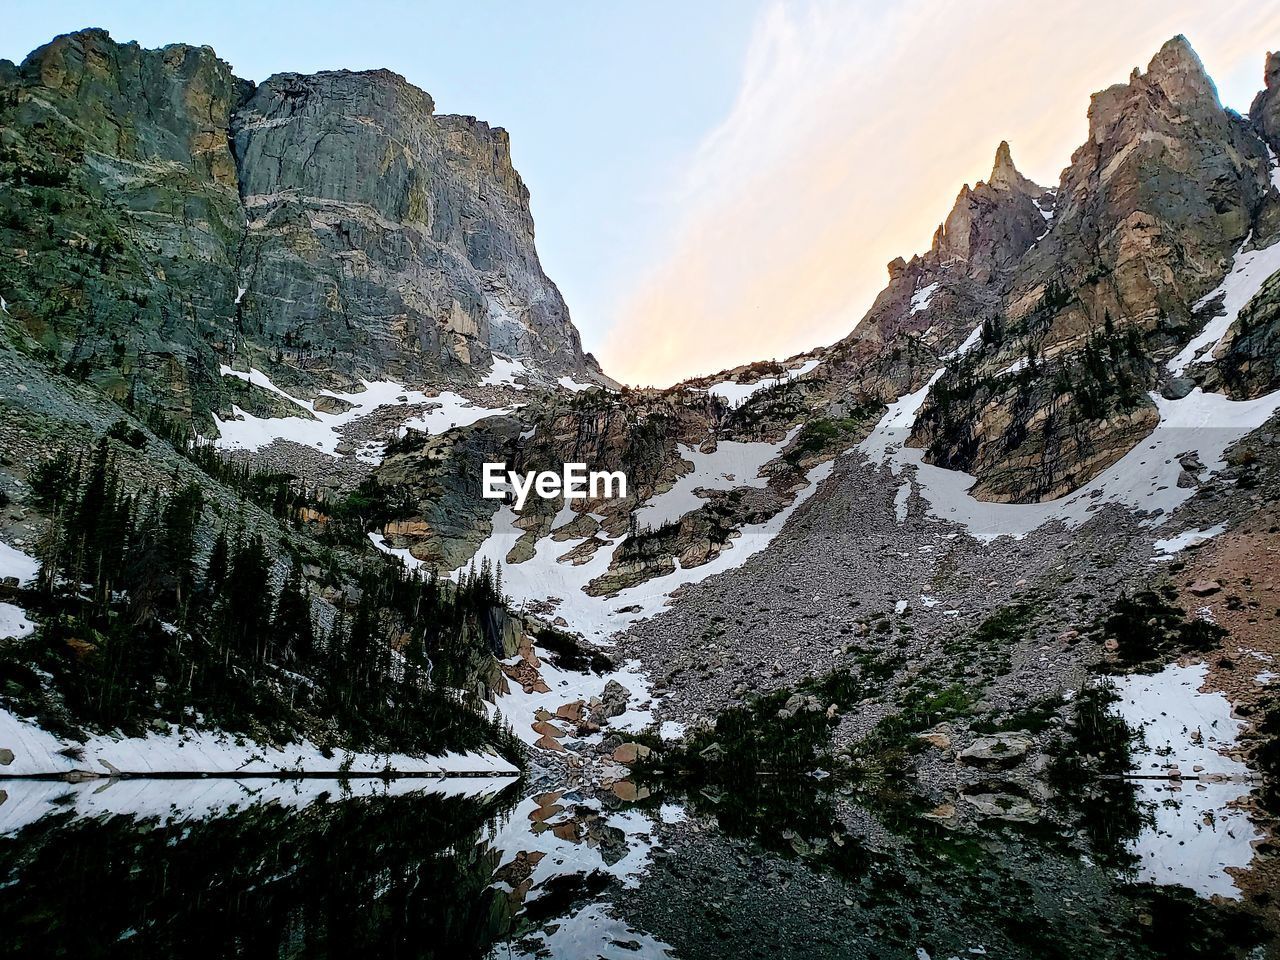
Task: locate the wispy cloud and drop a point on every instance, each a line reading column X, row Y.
column 854, row 127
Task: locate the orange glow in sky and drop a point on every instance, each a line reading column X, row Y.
column 853, row 130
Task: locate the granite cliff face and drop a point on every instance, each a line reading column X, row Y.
column 933, row 297
column 368, row 212
column 166, row 217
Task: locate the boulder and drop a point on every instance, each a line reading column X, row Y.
column 330, row 404
column 1000, row 750
column 1204, row 588
column 936, row 739
column 1003, row 806
column 572, row 712
column 628, row 792
column 1177, row 388
column 628, row 753
column 799, row 703
column 612, row 703
column 547, row 729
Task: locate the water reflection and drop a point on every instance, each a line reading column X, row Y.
column 467, row 868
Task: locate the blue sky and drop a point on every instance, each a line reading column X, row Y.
column 721, row 181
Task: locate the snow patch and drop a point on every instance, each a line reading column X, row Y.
column 504, row 372
column 571, row 384
column 322, row 431
column 731, row 465
column 1181, row 726
column 408, row 559
column 1016, row 367
column 542, row 577
column 671, row 730
column 921, row 299
column 1188, row 538
column 520, row 708
column 594, row 930
column 199, row 798
column 734, row 393
column 900, row 501
column 37, row 752
column 14, row 624
column 1249, row 271
column 15, row 563
column 1145, row 479
column 970, row 342
column 1196, row 833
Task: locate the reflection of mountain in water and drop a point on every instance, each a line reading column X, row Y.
column 313, row 868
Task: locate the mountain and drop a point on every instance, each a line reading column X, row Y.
column 1024, row 508
column 218, row 302
column 1035, row 335
column 175, row 218
column 1042, row 464
column 1146, row 221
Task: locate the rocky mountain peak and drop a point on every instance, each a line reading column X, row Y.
column 993, row 223
column 1006, row 176
column 1176, row 67
column 1148, row 216
column 1174, row 86
column 137, row 104
column 1265, row 110
column 1161, row 128
column 322, row 227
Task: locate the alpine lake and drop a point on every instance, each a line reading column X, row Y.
column 466, row 867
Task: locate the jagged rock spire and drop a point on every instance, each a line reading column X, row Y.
column 1005, row 176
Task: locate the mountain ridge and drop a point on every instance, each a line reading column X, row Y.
column 1069, row 386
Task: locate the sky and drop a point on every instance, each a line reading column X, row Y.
column 725, row 180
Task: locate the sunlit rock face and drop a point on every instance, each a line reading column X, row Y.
column 172, row 217
column 1145, row 223
column 1265, row 111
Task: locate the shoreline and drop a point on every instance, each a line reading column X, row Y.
column 30, row 752
column 88, row 776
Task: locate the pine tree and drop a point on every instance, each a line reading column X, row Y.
column 178, row 522
column 291, row 626
column 215, row 573
column 248, row 599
